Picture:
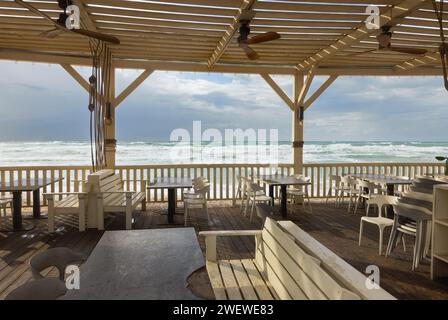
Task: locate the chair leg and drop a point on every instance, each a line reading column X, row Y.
column 246, row 205
column 418, row 243
column 328, row 195
column 404, row 243
column 380, row 249
column 309, row 202
column 392, row 240
column 341, row 199
column 358, row 199
column 349, row 203
column 361, row 227
column 367, row 209
column 414, row 258
column 252, row 210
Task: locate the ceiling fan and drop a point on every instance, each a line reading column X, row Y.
column 60, row 23
column 244, row 41
column 384, row 44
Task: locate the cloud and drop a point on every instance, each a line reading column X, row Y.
column 42, row 102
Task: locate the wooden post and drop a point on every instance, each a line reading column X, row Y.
column 297, row 124
column 110, row 140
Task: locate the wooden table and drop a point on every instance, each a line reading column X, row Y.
column 171, row 183
column 140, row 264
column 389, row 181
column 25, row 185
column 283, row 181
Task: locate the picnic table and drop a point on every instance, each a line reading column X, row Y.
column 172, row 184
column 16, row 187
column 273, row 180
column 140, row 264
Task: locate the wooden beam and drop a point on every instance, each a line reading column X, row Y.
column 306, row 87
column 428, row 58
column 75, row 75
column 389, row 15
column 278, row 90
column 134, row 85
column 228, row 35
column 79, row 60
column 319, row 91
column 297, row 125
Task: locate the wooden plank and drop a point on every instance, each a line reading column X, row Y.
column 230, row 283
column 216, row 280
column 257, row 281
column 243, row 281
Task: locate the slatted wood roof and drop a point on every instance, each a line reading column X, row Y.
column 198, row 35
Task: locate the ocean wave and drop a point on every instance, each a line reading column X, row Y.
column 147, row 152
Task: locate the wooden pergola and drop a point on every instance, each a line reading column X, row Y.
column 318, row 38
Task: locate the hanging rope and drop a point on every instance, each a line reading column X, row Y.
column 443, row 49
column 99, row 96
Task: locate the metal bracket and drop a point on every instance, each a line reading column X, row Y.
column 298, row 144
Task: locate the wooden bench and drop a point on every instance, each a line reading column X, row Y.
column 281, row 269
column 63, row 203
column 106, row 187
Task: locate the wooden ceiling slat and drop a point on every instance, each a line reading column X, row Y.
column 188, row 30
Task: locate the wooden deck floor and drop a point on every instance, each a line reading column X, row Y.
column 335, row 228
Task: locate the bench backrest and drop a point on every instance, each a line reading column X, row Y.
column 101, row 181
column 104, row 181
column 292, row 272
column 340, row 270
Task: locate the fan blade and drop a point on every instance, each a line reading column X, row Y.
column 97, row 35
column 43, row 15
column 250, row 53
column 53, row 33
column 264, row 37
column 360, row 53
column 88, row 33
column 408, row 50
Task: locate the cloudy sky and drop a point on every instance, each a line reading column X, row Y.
column 41, row 102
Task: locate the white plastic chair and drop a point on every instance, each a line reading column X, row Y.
column 338, row 188
column 349, row 188
column 197, row 199
column 255, row 194
column 241, row 190
column 382, row 222
column 366, row 191
column 293, row 193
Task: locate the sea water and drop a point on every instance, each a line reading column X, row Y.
column 159, row 152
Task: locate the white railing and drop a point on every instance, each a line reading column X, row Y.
column 223, row 177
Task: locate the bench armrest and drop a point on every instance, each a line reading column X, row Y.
column 210, row 239
column 52, row 194
column 229, row 233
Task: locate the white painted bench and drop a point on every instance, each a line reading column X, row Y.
column 64, row 203
column 281, row 269
column 108, row 188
